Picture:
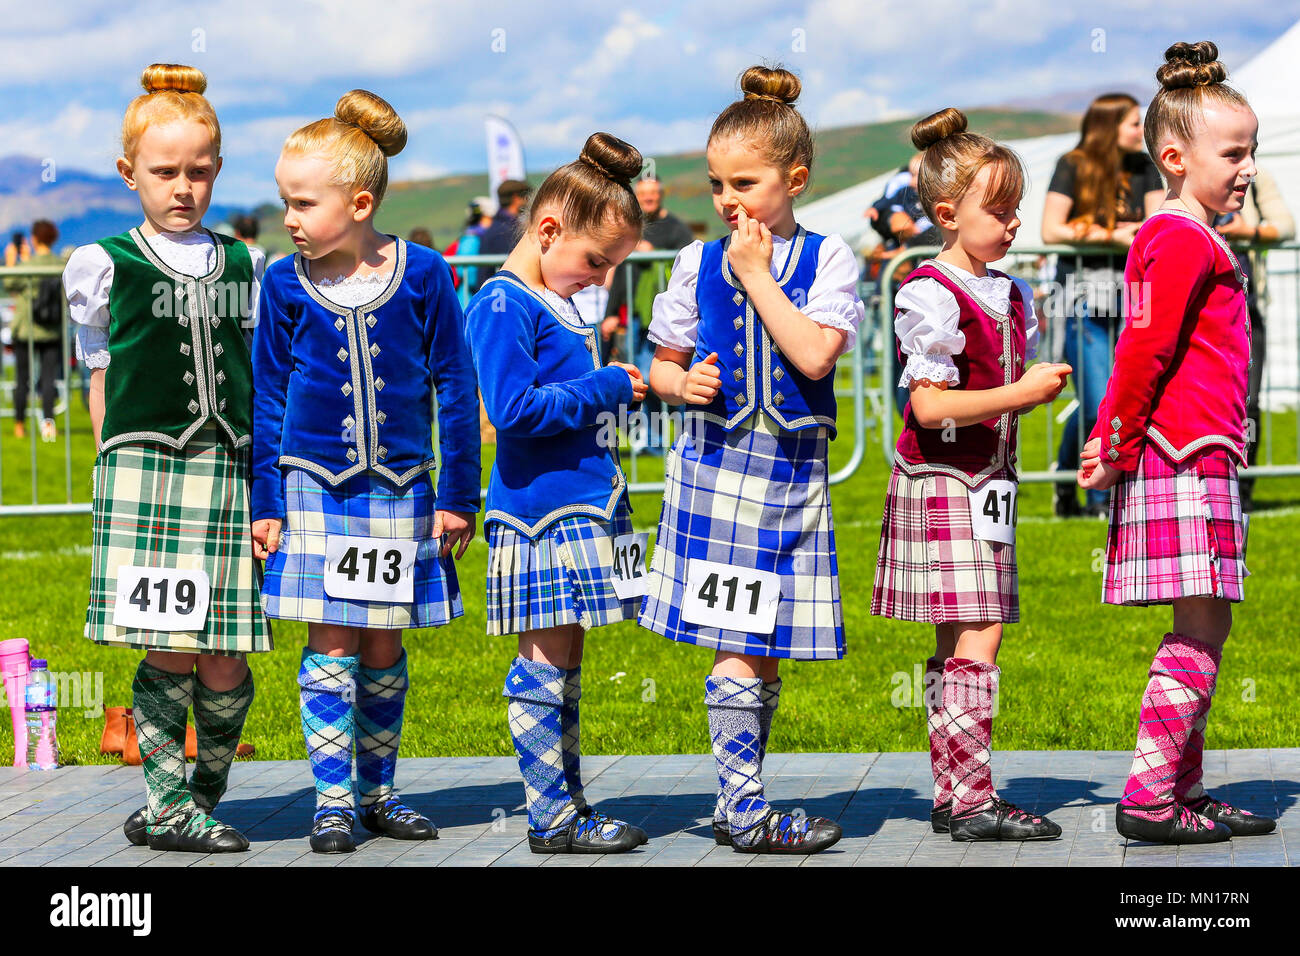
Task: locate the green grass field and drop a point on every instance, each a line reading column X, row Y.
column 1073, row 669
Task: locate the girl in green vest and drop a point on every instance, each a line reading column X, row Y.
column 158, row 313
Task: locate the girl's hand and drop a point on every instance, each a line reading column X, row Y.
column 1093, row 472
column 266, row 537
column 750, row 251
column 639, row 387
column 1042, row 382
column 703, row 379
column 454, row 527
column 1125, row 234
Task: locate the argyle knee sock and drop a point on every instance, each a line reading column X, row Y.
column 161, row 702
column 735, row 725
column 535, row 690
column 218, row 721
column 1187, row 784
column 1177, row 697
column 938, row 731
column 968, row 692
column 770, row 698
column 326, row 691
column 572, row 738
column 381, row 700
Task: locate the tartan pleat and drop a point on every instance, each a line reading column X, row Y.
column 754, row 497
column 188, row 508
column 931, row 567
column 367, row 506
column 563, row 576
column 1175, row 531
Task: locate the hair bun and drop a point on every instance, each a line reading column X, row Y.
column 1191, row 64
column 173, row 76
column 373, row 116
column 618, row 160
column 764, row 83
column 947, row 122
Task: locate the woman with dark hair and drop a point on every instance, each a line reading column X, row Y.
column 38, row 324
column 1099, row 194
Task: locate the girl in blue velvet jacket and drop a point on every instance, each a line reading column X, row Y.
column 357, row 331
column 562, row 557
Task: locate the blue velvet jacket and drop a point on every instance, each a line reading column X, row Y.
column 338, row 391
column 545, row 391
column 754, row 373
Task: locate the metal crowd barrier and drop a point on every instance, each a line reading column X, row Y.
column 1279, row 304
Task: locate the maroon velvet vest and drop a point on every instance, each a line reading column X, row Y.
column 994, row 356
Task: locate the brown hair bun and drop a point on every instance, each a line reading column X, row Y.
column 767, row 83
column 1191, row 64
column 616, row 159
column 947, row 122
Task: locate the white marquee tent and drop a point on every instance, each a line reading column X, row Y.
column 1269, row 81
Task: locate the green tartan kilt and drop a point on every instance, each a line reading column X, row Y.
column 188, row 508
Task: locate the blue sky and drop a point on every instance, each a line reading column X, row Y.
column 655, row 74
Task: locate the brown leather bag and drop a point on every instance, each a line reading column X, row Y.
column 119, row 737
column 114, row 736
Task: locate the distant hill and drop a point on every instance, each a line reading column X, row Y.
column 87, row 206
column 84, row 206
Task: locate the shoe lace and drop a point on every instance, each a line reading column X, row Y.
column 1192, row 820
column 399, row 812
column 1014, row 813
column 787, row 829
column 597, row 821
column 332, row 819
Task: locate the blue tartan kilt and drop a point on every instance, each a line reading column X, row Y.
column 755, row 497
column 563, row 576
column 365, row 505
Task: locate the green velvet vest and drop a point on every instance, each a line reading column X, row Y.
column 177, row 356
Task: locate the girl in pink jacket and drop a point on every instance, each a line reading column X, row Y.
column 1170, row 436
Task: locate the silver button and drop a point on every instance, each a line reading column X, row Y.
column 779, row 374
column 189, row 378
column 221, row 405
column 193, row 406
column 778, row 399
column 1114, row 455
column 347, row 388
column 342, row 355
column 738, row 322
column 215, row 321
column 374, row 349
column 737, row 298
column 382, row 452
column 379, row 384
column 1002, row 360
column 993, row 460
column 739, row 350
column 741, row 399
column 217, row 350
column 1115, row 423
column 338, row 323
column 613, row 481
column 382, row 417
column 1114, row 439
column 737, row 375
column 349, row 422
column 221, row 378
column 370, row 321
column 184, row 321
column 352, row 454
column 185, row 349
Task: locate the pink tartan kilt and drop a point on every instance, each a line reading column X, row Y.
column 1175, row 531
column 931, row 567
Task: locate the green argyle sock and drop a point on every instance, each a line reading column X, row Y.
column 218, row 722
column 161, row 704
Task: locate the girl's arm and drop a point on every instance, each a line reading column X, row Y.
column 96, row 399
column 272, row 364
column 453, row 377
column 676, row 381
column 503, row 346
column 938, row 406
column 812, row 348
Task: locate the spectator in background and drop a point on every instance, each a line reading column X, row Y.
column 421, row 237
column 38, row 326
column 246, row 229
column 1099, row 194
column 1264, row 218
column 481, row 210
column 662, row 231
column 500, row 237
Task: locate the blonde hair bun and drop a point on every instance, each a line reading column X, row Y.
column 616, row 159
column 373, row 116
column 173, row 76
column 938, row 126
column 761, row 82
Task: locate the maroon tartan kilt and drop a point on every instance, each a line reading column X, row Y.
column 931, row 567
column 1175, row 531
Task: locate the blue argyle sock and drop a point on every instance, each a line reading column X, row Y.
column 536, row 693
column 735, row 708
column 381, row 700
column 569, row 726
column 327, row 688
column 770, row 698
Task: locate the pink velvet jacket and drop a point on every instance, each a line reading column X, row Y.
column 1182, row 359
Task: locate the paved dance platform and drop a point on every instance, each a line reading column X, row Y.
column 73, row 816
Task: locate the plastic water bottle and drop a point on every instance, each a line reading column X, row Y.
column 42, row 716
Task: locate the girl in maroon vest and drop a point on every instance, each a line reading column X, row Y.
column 1170, row 436
column 947, row 548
